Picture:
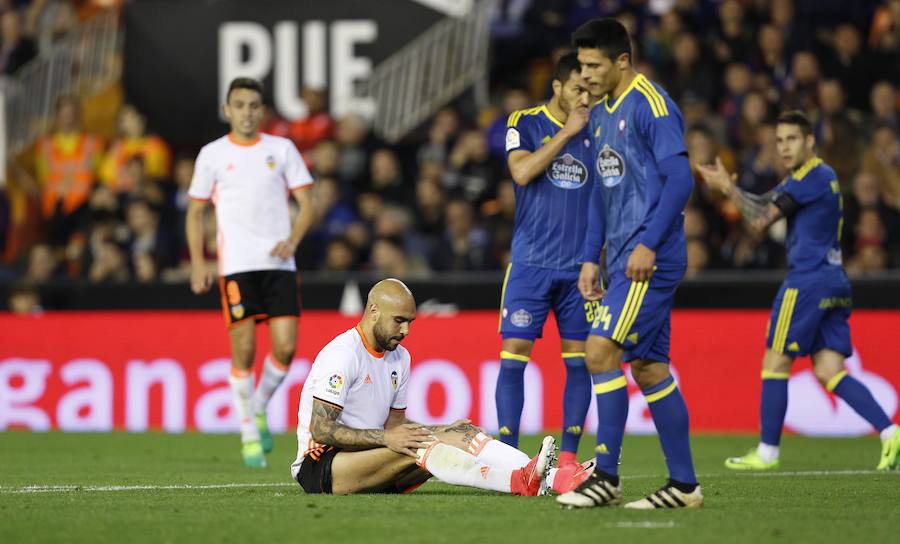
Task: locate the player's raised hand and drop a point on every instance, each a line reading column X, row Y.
column 716, row 176
column 407, row 438
column 589, row 281
column 578, row 118
column 640, row 263
column 284, row 249
column 201, row 278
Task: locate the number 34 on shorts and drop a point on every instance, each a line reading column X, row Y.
column 597, row 315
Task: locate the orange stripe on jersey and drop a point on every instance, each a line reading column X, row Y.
column 372, row 352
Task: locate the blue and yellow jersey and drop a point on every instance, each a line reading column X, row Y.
column 552, row 210
column 629, row 138
column 814, row 229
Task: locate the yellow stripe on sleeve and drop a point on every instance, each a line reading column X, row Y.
column 660, row 394
column 660, row 101
column 651, row 101
column 611, row 385
column 835, row 380
column 571, row 354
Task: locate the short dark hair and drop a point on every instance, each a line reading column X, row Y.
column 244, row 83
column 798, row 118
column 608, row 35
column 566, row 64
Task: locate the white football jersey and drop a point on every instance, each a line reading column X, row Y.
column 250, row 187
column 348, row 373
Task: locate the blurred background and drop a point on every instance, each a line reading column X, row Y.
column 399, row 109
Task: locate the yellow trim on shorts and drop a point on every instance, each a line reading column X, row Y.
column 770, row 375
column 784, row 320
column 503, row 295
column 572, row 354
column 630, row 312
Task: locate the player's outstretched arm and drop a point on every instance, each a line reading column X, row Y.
column 759, row 211
column 201, row 276
column 325, row 429
column 525, row 166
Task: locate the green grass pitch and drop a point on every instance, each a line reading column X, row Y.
column 192, row 488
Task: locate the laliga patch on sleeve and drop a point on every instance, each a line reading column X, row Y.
column 512, row 139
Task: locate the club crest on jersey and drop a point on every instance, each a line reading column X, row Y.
column 394, row 380
column 335, row 383
column 567, row 172
column 270, row 162
column 237, row 311
column 610, row 166
column 520, row 318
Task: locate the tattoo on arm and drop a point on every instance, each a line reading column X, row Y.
column 326, row 430
column 467, row 430
column 753, row 207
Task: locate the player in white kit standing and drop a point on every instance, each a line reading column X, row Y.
column 249, row 177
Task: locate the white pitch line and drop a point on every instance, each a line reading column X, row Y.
column 643, row 525
column 107, row 488
column 773, row 474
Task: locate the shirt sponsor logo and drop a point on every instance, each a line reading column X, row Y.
column 513, row 140
column 567, row 172
column 610, row 166
column 520, row 318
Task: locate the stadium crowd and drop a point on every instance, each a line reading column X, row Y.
column 443, row 200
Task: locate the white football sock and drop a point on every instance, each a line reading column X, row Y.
column 457, row 467
column 767, row 452
column 496, row 453
column 272, row 375
column 888, row 433
column 241, row 382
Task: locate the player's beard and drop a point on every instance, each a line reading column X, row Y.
column 384, row 339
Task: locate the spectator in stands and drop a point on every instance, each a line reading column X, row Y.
column 442, row 134
column 689, row 71
column 884, row 40
column 801, row 90
column 133, row 141
column 332, row 218
column 882, row 158
column 24, row 300
column 770, row 55
column 16, row 49
column 66, row 162
column 390, row 259
column 837, row 130
column 849, row 64
column 500, row 215
column 316, row 126
column 734, row 37
column 738, row 80
column 465, row 246
column 340, row 256
column 43, row 265
column 760, row 169
column 386, row 177
column 883, row 102
column 513, row 100
column 110, row 265
column 866, row 195
column 351, row 133
column 471, row 169
column 150, row 244
column 696, row 111
column 274, row 124
column 755, row 111
column 431, row 199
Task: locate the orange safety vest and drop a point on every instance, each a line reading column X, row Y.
column 67, row 174
column 152, row 149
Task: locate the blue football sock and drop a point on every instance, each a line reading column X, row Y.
column 670, row 416
column 510, row 396
column 773, row 406
column 860, row 399
column 611, row 390
column 576, row 400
